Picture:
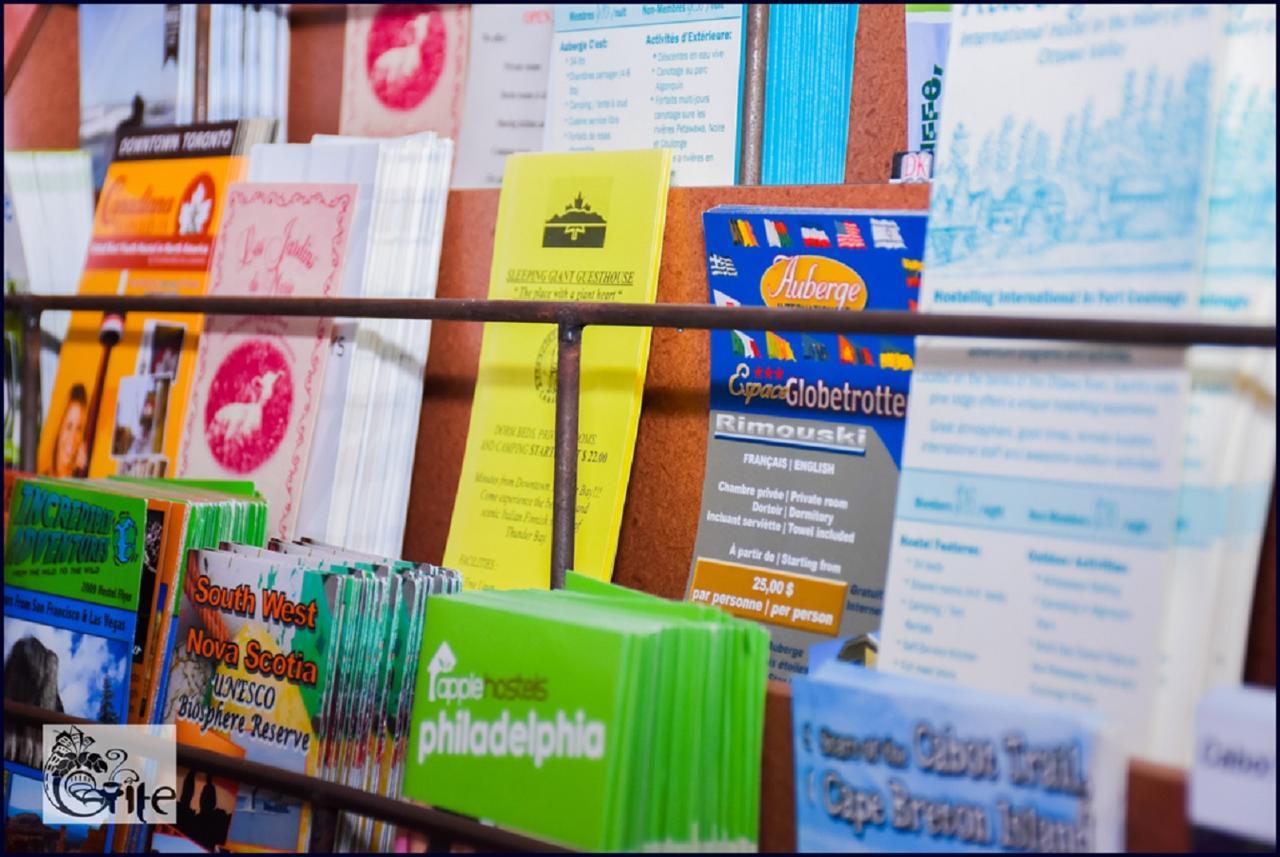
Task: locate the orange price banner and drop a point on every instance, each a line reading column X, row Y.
column 775, row 597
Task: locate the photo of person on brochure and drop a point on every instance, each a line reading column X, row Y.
column 69, row 453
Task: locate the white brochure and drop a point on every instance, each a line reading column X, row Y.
column 650, row 76
column 1232, row 788
column 928, row 33
column 506, row 102
column 1230, row 447
column 1035, row 526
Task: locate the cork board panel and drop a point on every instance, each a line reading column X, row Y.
column 878, row 112
column 450, row 378
column 315, row 68
column 21, row 22
column 42, row 104
column 660, row 518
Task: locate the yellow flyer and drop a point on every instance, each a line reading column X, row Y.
column 571, row 227
column 123, row 379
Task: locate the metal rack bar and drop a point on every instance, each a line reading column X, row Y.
column 565, row 486
column 572, row 317
column 324, row 793
column 693, row 316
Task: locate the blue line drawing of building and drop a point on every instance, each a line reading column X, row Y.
column 1242, row 194
column 1135, row 176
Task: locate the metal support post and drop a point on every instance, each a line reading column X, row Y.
column 30, row 397
column 753, row 72
column 564, row 513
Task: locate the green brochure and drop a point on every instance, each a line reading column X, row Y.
column 615, row 720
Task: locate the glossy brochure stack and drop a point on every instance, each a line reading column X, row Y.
column 301, row 656
column 889, row 764
column 666, row 76
column 357, row 491
column 613, row 720
column 1229, row 460
column 1035, row 528
column 576, row 227
column 148, row 65
column 352, row 163
column 806, row 124
column 93, row 577
column 48, row 217
column 804, row 446
column 247, row 49
column 318, row 642
column 123, row 379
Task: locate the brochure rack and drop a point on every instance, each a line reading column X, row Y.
column 571, row 318
column 663, row 498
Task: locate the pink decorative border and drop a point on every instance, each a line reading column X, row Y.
column 244, row 194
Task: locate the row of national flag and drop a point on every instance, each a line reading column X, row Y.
column 855, row 353
column 888, row 356
column 885, row 234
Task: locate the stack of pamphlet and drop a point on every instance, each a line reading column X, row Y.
column 1231, row 792
column 357, row 492
column 1109, row 565
column 92, row 579
column 168, row 609
column 48, row 216
column 806, row 123
column 612, row 720
column 123, row 381
column 244, row 397
column 370, row 494
column 330, row 637
column 253, row 409
column 248, row 61
column 1228, row 464
column 149, row 65
column 803, row 543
